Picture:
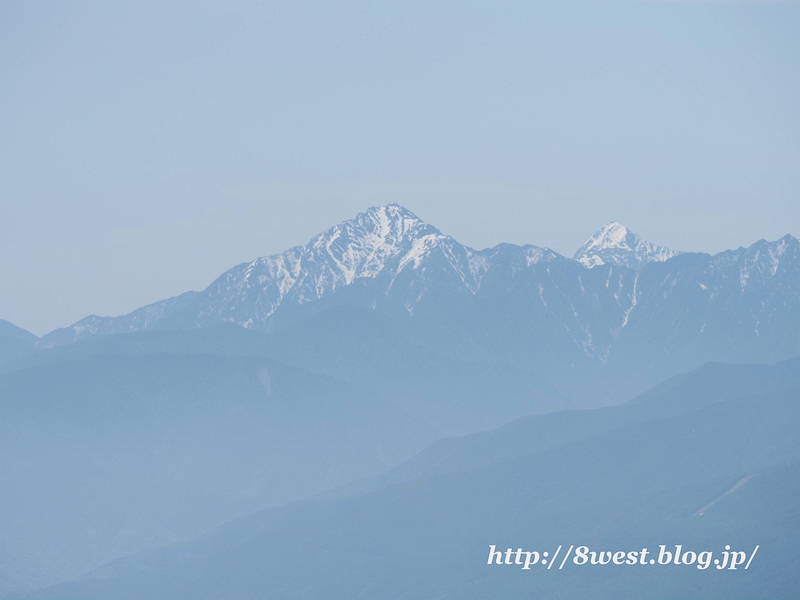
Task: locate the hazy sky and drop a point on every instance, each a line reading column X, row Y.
column 149, row 146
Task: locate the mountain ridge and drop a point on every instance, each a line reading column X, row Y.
column 588, row 329
column 368, row 246
column 633, row 486
column 382, row 240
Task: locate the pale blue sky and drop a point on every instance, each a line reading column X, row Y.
column 149, row 146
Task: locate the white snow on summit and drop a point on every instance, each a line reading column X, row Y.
column 617, row 245
column 363, row 246
column 389, row 258
column 384, row 242
column 403, row 255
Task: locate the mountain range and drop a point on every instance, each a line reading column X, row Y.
column 616, row 319
column 301, row 426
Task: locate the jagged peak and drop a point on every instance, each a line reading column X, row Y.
column 616, row 244
column 378, row 226
column 611, row 235
column 360, row 247
column 391, row 215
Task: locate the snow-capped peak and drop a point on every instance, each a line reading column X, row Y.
column 387, row 244
column 378, row 243
column 617, row 245
column 362, row 246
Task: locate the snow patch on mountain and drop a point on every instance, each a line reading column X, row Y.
column 138, row 320
column 383, row 242
column 615, row 244
column 401, row 260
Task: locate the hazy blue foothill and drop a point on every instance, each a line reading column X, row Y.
column 369, row 411
column 107, row 455
column 626, row 487
column 15, row 342
column 10, row 330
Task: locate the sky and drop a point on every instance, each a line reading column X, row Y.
column 147, row 147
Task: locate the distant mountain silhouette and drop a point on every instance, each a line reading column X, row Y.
column 110, row 453
column 620, row 317
column 618, row 478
